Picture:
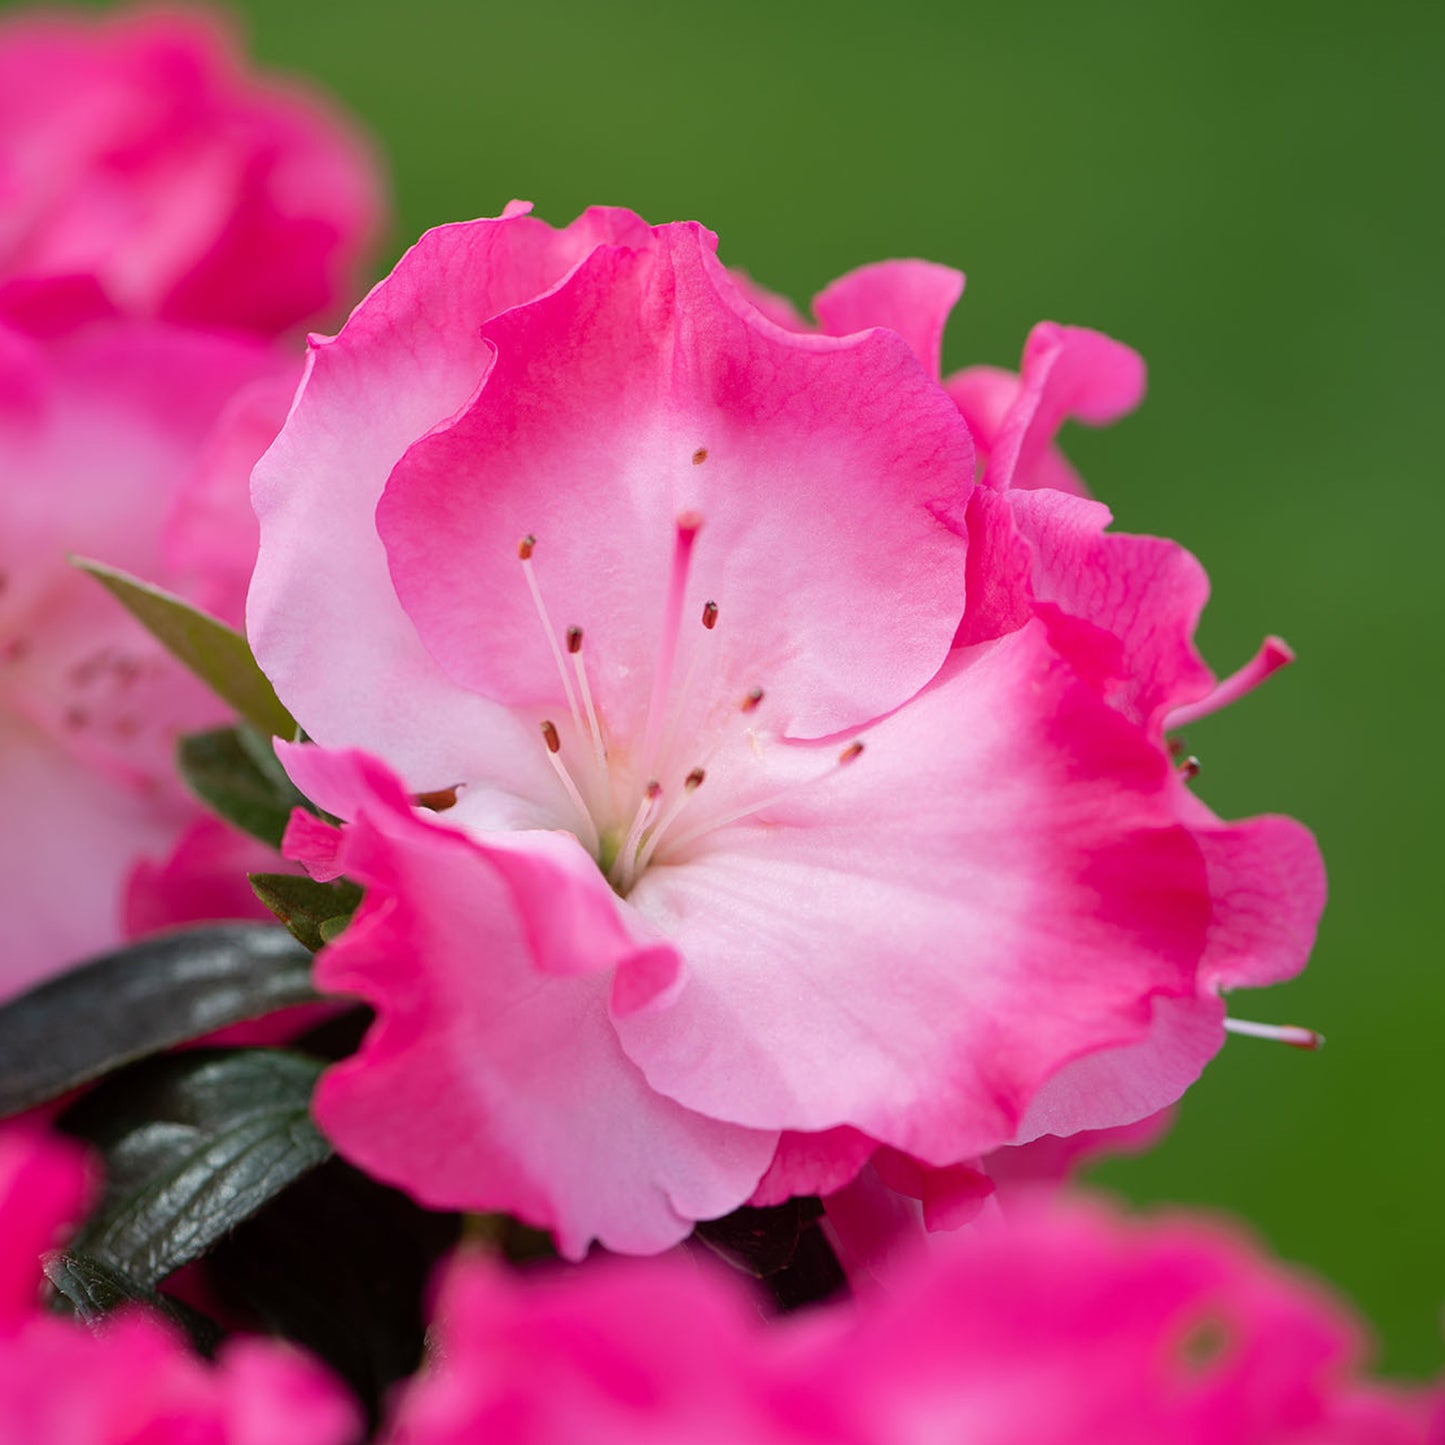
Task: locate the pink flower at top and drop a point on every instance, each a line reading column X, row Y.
column 793, row 819
column 143, row 171
column 1069, row 1327
column 60, row 1384
column 129, row 442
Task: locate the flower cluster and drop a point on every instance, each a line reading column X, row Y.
column 709, row 780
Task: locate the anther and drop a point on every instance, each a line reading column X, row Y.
column 699, row 456
column 524, row 547
column 753, row 700
column 439, row 801
column 851, row 753
column 709, row 615
column 1189, row 767
column 549, row 736
column 574, row 639
column 694, row 780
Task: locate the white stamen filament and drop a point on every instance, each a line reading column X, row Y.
column 599, row 748
column 554, row 746
column 624, row 869
column 524, row 553
column 688, row 526
column 1291, row 1034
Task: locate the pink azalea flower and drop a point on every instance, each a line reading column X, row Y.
column 143, row 171
column 63, row 1385
column 108, row 437
column 794, row 814
column 1070, row 1327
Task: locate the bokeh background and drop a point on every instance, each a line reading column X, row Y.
column 1251, row 195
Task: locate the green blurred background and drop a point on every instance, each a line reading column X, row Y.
column 1251, row 195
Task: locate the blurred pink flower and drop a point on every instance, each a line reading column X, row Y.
column 1069, row 1327
column 143, row 171
column 110, row 446
column 793, row 817
column 61, row 1384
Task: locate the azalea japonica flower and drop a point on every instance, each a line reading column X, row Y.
column 143, row 171
column 737, row 794
column 62, row 1384
column 1069, row 1327
column 130, row 442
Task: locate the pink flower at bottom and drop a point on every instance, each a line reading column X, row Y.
column 61, row 1384
column 791, row 819
column 1068, row 1327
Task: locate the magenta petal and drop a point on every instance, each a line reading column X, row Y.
column 45, row 1186
column 640, row 391
column 1274, row 653
column 492, row 1079
column 913, row 298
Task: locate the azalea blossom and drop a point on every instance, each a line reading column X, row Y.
column 144, row 172
column 1069, row 1327
column 751, row 787
column 134, row 1380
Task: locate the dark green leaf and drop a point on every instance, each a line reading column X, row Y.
column 760, row 1242
column 217, row 654
column 141, row 1000
column 235, row 772
column 333, row 927
column 192, row 1145
column 89, row 1290
column 341, row 1264
column 305, row 906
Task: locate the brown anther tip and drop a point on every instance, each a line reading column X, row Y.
column 654, row 791
column 524, row 547
column 699, row 456
column 753, row 700
column 853, row 751
column 1189, row 767
column 438, row 801
column 694, row 779
column 1307, row 1039
column 689, row 521
column 574, row 639
column 709, row 615
column 549, row 736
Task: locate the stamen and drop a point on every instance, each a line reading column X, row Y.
column 554, row 756
column 709, row 615
column 1295, row 1037
column 1189, row 768
column 690, row 785
column 599, row 748
column 626, row 866
column 753, row 701
column 850, row 754
column 688, row 526
column 1274, row 653
column 438, row 801
column 524, row 554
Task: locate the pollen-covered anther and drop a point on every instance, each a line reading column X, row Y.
column 850, row 754
column 524, row 547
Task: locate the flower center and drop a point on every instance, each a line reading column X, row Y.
column 635, row 800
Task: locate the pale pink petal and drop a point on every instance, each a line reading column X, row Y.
column 488, row 1084
column 1053, row 907
column 324, row 622
column 913, row 298
column 642, row 391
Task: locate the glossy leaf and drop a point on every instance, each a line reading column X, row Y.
column 235, row 773
column 191, row 1146
column 305, row 906
column 89, row 1290
column 141, row 1000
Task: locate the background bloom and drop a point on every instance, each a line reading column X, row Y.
column 832, row 854
column 143, row 171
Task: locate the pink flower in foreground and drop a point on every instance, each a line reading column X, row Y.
column 1068, row 1328
column 142, row 171
column 60, row 1384
column 794, row 815
column 113, row 444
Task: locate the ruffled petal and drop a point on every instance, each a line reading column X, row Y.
column 913, row 298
